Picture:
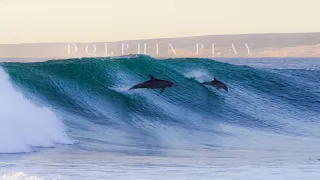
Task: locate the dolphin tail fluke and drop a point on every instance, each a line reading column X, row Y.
column 162, row 90
column 226, row 88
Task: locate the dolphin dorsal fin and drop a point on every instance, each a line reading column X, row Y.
column 215, row 79
column 151, row 77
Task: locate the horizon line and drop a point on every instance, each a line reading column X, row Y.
column 166, row 38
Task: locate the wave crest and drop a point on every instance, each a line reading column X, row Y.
column 24, row 125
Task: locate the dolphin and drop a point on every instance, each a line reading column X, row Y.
column 154, row 83
column 216, row 83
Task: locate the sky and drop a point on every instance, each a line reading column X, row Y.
column 34, row 21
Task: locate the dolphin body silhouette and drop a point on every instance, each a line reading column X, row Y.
column 216, row 83
column 154, row 83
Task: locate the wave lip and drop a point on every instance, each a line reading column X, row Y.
column 23, row 125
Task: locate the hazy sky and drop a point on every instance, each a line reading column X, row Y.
column 24, row 21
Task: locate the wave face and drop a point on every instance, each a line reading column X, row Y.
column 265, row 108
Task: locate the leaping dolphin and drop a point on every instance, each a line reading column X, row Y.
column 216, row 83
column 154, row 83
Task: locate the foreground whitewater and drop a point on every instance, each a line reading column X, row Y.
column 76, row 119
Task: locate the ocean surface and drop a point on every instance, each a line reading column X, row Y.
column 75, row 119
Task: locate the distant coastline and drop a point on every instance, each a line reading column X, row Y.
column 214, row 46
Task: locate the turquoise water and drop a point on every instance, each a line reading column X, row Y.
column 76, row 119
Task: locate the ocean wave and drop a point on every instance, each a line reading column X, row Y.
column 91, row 96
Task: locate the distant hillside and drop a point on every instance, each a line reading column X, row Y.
column 248, row 45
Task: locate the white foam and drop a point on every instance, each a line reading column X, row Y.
column 19, row 176
column 121, row 88
column 125, row 82
column 25, row 176
column 199, row 74
column 24, row 125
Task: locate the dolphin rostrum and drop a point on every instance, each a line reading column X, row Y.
column 216, row 83
column 154, row 83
